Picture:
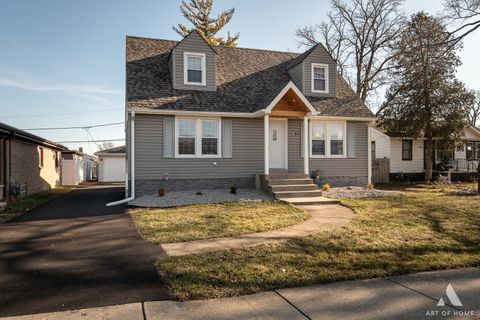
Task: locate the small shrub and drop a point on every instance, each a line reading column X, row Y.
column 199, row 193
column 370, row 186
column 326, row 187
column 161, row 192
column 233, row 190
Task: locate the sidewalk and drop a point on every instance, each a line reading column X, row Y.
column 321, row 218
column 403, row 297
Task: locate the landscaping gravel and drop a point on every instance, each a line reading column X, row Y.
column 358, row 192
column 182, row 198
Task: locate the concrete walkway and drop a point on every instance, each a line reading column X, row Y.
column 321, row 218
column 405, row 297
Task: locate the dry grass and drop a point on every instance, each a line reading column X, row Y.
column 204, row 221
column 426, row 229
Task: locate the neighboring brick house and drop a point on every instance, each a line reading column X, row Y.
column 28, row 163
column 200, row 116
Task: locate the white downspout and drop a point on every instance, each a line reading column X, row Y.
column 132, row 164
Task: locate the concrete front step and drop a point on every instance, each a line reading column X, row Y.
column 295, row 181
column 277, row 176
column 298, row 194
column 293, row 187
column 310, row 201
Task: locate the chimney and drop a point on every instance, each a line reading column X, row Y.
column 80, row 149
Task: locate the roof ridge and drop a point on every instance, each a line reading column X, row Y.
column 220, row 47
column 256, row 49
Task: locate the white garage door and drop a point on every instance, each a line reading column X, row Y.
column 113, row 169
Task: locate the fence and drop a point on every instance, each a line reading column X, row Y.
column 458, row 165
column 381, row 170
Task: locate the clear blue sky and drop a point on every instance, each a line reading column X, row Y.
column 62, row 63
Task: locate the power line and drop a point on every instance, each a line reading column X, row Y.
column 61, row 114
column 82, row 127
column 83, row 141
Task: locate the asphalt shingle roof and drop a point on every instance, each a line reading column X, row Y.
column 115, row 150
column 247, row 81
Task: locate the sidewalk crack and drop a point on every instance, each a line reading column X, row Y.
column 294, row 306
column 143, row 311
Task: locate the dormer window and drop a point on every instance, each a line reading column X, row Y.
column 319, row 78
column 194, row 68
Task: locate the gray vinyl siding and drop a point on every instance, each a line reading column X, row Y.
column 247, row 157
column 352, row 167
column 319, row 55
column 195, row 44
column 296, row 73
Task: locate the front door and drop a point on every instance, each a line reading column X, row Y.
column 278, row 144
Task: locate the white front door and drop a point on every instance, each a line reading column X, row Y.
column 278, row 144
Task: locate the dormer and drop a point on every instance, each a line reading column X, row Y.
column 315, row 72
column 193, row 64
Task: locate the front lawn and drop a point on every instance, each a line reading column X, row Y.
column 428, row 228
column 16, row 208
column 194, row 222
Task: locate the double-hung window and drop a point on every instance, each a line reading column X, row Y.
column 336, row 134
column 319, row 78
column 209, row 137
column 197, row 137
column 186, row 136
column 40, row 157
column 327, row 139
column 407, row 150
column 194, row 68
column 473, row 150
column 318, row 134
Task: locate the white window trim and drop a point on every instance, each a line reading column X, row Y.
column 319, row 65
column 185, row 68
column 310, row 143
column 327, row 139
column 198, row 138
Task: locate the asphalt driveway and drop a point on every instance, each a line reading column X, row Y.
column 76, row 253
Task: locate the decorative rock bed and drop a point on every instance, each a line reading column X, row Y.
column 182, row 198
column 358, row 192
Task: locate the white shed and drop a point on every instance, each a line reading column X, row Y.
column 77, row 167
column 111, row 165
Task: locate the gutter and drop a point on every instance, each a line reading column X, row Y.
column 132, row 165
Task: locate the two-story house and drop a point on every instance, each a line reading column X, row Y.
column 200, row 116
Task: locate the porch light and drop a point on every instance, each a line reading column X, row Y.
column 469, row 148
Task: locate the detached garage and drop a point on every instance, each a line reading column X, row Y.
column 111, row 165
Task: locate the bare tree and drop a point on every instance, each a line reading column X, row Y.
column 465, row 14
column 359, row 35
column 474, row 112
column 105, row 145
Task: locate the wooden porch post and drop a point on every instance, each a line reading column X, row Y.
column 306, row 169
column 266, row 141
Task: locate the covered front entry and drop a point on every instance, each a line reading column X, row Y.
column 290, row 103
column 278, row 144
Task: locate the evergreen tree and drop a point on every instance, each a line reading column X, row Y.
column 425, row 98
column 198, row 13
